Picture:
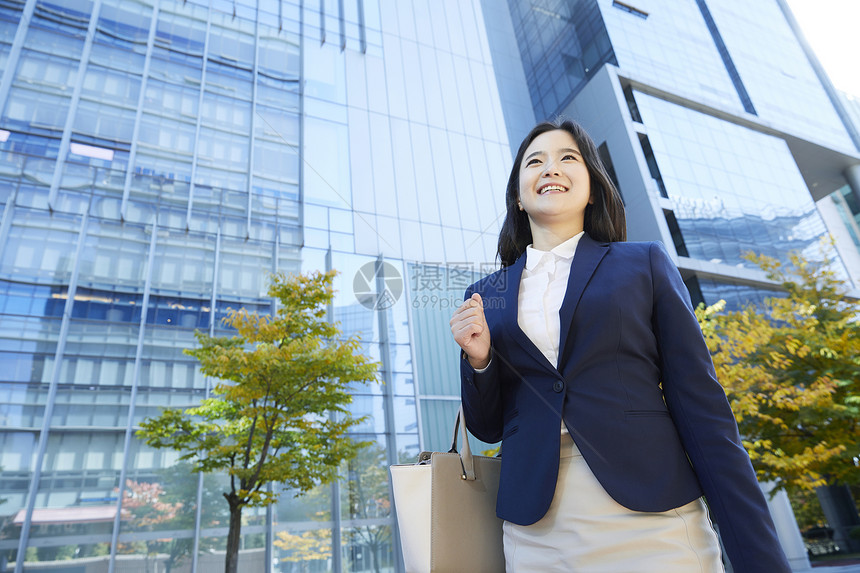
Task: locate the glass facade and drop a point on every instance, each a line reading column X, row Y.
column 732, row 189
column 139, row 205
column 672, row 50
column 722, row 138
column 780, row 80
column 158, row 159
column 562, row 45
column 849, row 210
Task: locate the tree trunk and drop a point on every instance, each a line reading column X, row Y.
column 234, row 536
column 374, row 555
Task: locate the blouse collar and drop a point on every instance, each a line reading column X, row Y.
column 565, row 250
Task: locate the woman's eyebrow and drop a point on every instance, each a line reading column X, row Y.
column 570, row 150
column 562, row 150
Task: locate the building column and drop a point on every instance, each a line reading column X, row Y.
column 840, row 511
column 66, row 140
column 786, row 528
column 141, row 99
column 132, row 400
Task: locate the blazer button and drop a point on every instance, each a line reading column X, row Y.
column 558, row 386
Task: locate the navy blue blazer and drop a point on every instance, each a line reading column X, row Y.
column 636, row 388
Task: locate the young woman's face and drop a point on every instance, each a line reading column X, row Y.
column 554, row 183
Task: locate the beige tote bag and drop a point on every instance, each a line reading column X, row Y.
column 446, row 510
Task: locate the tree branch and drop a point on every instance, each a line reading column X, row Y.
column 250, row 439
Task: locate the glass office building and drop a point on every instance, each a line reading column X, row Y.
column 721, row 128
column 159, row 158
column 722, row 131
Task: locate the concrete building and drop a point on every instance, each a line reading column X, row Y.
column 159, row 157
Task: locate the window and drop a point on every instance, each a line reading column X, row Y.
column 677, row 236
column 631, row 104
column 630, row 9
column 695, row 291
column 603, row 152
column 652, row 164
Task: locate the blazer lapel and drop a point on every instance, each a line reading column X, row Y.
column 588, row 255
column 510, row 295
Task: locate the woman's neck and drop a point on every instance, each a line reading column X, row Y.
column 547, row 239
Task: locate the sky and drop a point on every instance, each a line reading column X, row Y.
column 831, row 28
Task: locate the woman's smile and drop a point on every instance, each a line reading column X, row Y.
column 551, row 188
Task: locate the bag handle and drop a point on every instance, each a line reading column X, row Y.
column 466, row 461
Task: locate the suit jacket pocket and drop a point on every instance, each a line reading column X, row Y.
column 645, row 413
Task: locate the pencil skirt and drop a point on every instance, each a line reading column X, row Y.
column 586, row 531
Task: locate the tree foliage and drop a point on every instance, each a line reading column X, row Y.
column 791, row 371
column 305, row 547
column 280, row 412
column 145, row 504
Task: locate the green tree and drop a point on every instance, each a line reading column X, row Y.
column 791, row 371
column 280, row 413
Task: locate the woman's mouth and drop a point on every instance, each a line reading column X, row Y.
column 551, row 189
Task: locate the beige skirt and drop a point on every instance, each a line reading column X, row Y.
column 586, row 531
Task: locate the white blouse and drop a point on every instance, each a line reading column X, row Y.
column 542, row 288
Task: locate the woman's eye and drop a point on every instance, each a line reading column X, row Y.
column 569, row 156
column 533, row 161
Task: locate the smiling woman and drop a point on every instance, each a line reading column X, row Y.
column 562, row 147
column 554, row 189
column 583, row 356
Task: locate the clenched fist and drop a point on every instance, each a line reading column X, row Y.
column 470, row 330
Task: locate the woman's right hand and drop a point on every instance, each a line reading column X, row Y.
column 470, row 330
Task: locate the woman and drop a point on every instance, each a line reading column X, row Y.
column 583, row 356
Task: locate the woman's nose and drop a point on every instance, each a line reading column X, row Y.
column 550, row 169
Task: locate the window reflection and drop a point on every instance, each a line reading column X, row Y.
column 725, row 203
column 405, row 415
column 189, row 121
column 366, row 511
column 305, row 550
column 555, row 36
column 776, row 71
column 736, row 295
column 680, row 56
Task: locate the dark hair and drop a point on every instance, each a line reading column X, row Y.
column 604, row 218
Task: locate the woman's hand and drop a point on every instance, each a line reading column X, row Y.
column 470, row 330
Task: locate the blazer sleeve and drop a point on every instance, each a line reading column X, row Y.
column 707, row 427
column 481, row 396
